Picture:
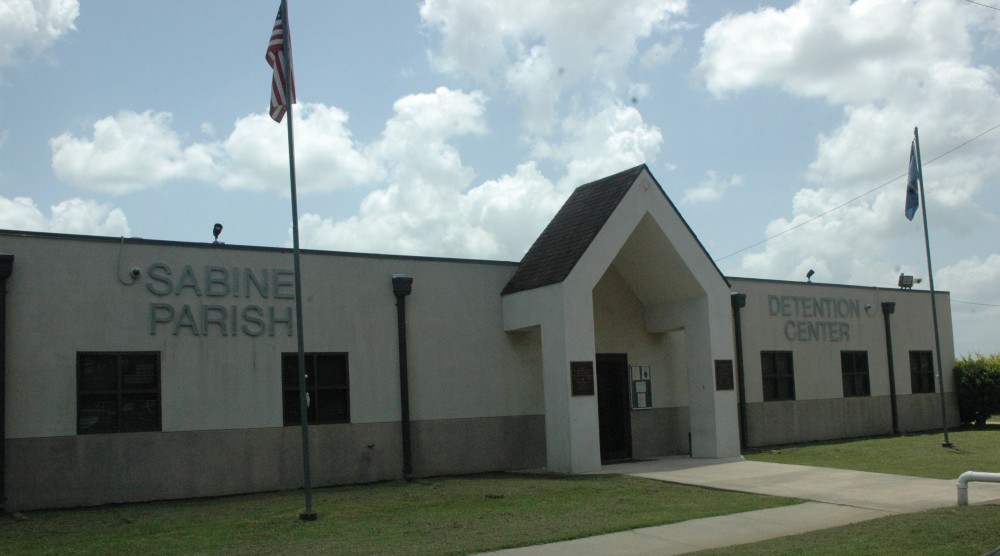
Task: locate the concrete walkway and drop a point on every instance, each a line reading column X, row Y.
column 836, row 497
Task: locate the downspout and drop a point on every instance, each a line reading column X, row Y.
column 6, row 268
column 402, row 285
column 888, row 308
column 739, row 300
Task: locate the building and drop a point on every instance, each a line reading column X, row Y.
column 137, row 370
column 831, row 361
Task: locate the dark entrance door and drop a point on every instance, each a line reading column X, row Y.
column 613, row 406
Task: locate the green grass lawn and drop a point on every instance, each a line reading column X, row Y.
column 440, row 516
column 919, row 455
column 956, row 530
column 966, row 530
column 460, row 515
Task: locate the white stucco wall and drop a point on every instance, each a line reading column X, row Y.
column 64, row 297
column 774, row 321
column 659, row 260
column 620, row 327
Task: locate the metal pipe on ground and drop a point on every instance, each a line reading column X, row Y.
column 969, row 476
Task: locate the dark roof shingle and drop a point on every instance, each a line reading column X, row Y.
column 562, row 243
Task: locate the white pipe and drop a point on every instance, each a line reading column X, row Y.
column 965, row 478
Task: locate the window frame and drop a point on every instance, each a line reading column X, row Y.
column 927, row 374
column 121, row 395
column 329, row 396
column 855, row 373
column 776, row 385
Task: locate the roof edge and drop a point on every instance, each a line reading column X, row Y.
column 237, row 247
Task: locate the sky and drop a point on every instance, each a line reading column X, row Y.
column 457, row 128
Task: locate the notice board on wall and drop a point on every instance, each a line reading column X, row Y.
column 640, row 380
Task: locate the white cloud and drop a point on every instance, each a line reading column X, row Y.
column 513, row 209
column 427, row 201
column 839, row 247
column 890, row 66
column 957, row 103
column 495, row 220
column 534, row 78
column 74, row 216
column 29, row 27
column 420, row 211
column 601, row 141
column 20, row 213
column 712, row 188
column 975, row 302
column 539, row 49
column 840, row 51
column 430, row 205
column 660, row 54
column 255, row 155
column 78, row 216
column 130, row 151
column 424, row 168
column 638, row 91
column 973, row 278
column 484, row 38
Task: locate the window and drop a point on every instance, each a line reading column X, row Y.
column 779, row 377
column 854, row 366
column 326, row 386
column 117, row 392
column 921, row 372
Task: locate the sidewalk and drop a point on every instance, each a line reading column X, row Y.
column 836, row 497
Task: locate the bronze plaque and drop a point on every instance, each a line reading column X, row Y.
column 582, row 377
column 724, row 374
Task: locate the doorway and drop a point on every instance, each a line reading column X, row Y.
column 614, row 417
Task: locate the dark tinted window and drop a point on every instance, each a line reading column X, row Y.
column 778, row 375
column 117, row 392
column 326, row 384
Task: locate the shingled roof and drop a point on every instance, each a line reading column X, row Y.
column 562, row 243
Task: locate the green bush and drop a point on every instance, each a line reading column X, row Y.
column 978, row 382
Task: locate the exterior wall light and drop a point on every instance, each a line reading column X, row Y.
column 906, row 281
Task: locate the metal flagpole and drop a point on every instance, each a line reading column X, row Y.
column 930, row 276
column 308, row 514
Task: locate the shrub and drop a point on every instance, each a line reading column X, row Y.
column 978, row 382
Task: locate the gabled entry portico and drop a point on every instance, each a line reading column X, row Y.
column 623, row 224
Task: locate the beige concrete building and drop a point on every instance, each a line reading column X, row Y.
column 816, row 361
column 137, row 369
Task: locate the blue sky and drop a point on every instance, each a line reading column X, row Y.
column 458, row 128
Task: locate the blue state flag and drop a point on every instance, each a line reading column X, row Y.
column 912, row 198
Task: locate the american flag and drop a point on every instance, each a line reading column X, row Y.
column 275, row 57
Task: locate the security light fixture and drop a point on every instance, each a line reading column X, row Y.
column 809, row 275
column 905, row 281
column 216, row 230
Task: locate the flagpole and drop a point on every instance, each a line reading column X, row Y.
column 930, row 276
column 308, row 514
